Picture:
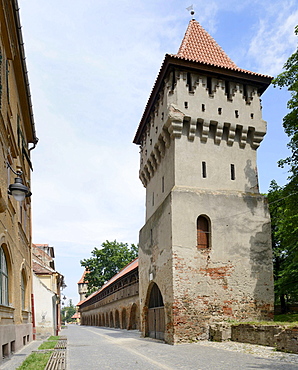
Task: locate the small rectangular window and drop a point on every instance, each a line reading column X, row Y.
column 152, row 199
column 233, row 172
column 204, row 170
column 163, row 184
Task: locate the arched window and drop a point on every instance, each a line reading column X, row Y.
column 23, row 291
column 3, row 279
column 203, row 232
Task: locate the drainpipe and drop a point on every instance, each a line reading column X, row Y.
column 33, row 316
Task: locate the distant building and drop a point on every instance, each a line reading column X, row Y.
column 17, row 139
column 83, row 286
column 47, row 286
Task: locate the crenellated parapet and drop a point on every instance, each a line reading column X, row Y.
column 204, row 109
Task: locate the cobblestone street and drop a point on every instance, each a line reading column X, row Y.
column 106, row 348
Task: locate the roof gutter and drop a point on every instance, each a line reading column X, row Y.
column 25, row 71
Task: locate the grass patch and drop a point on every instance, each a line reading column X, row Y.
column 54, row 337
column 289, row 320
column 48, row 344
column 35, row 361
column 288, row 317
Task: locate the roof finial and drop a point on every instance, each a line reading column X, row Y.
column 191, row 10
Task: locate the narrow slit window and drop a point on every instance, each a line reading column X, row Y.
column 203, row 232
column 219, row 110
column 185, row 104
column 204, row 170
column 173, row 80
column 163, row 184
column 236, row 114
column 152, row 199
column 203, row 108
column 251, row 115
column 209, row 85
column 189, row 82
column 227, row 89
column 233, row 176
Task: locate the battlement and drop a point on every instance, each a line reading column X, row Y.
column 202, row 108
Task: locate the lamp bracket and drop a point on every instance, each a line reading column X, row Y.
column 18, row 173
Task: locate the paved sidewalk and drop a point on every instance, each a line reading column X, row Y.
column 16, row 360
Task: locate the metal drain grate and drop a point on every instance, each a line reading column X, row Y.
column 57, row 361
column 61, row 344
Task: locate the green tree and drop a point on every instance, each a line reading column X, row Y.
column 68, row 311
column 284, row 243
column 289, row 79
column 106, row 262
column 284, row 200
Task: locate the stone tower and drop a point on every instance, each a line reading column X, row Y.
column 205, row 249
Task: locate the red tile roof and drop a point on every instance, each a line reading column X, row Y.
column 40, row 269
column 199, row 51
column 199, row 46
column 131, row 266
column 82, row 281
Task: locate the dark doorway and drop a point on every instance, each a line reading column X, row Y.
column 156, row 314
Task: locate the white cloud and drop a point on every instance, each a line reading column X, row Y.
column 274, row 41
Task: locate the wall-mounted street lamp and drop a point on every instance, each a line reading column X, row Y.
column 18, row 190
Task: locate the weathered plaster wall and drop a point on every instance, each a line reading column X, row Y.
column 220, row 125
column 45, row 309
column 156, row 262
column 231, row 279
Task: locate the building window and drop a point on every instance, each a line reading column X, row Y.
column 163, row 184
column 204, row 170
column 233, row 175
column 3, row 279
column 23, row 291
column 203, row 232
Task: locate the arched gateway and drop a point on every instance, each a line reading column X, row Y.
column 156, row 314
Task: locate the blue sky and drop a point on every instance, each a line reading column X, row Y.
column 92, row 65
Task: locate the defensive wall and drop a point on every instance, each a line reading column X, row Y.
column 116, row 304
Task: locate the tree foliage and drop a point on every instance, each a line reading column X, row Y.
column 289, row 79
column 284, row 200
column 283, row 203
column 68, row 311
column 106, row 262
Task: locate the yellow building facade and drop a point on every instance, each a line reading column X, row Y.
column 17, row 139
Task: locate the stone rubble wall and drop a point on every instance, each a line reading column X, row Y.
column 281, row 337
